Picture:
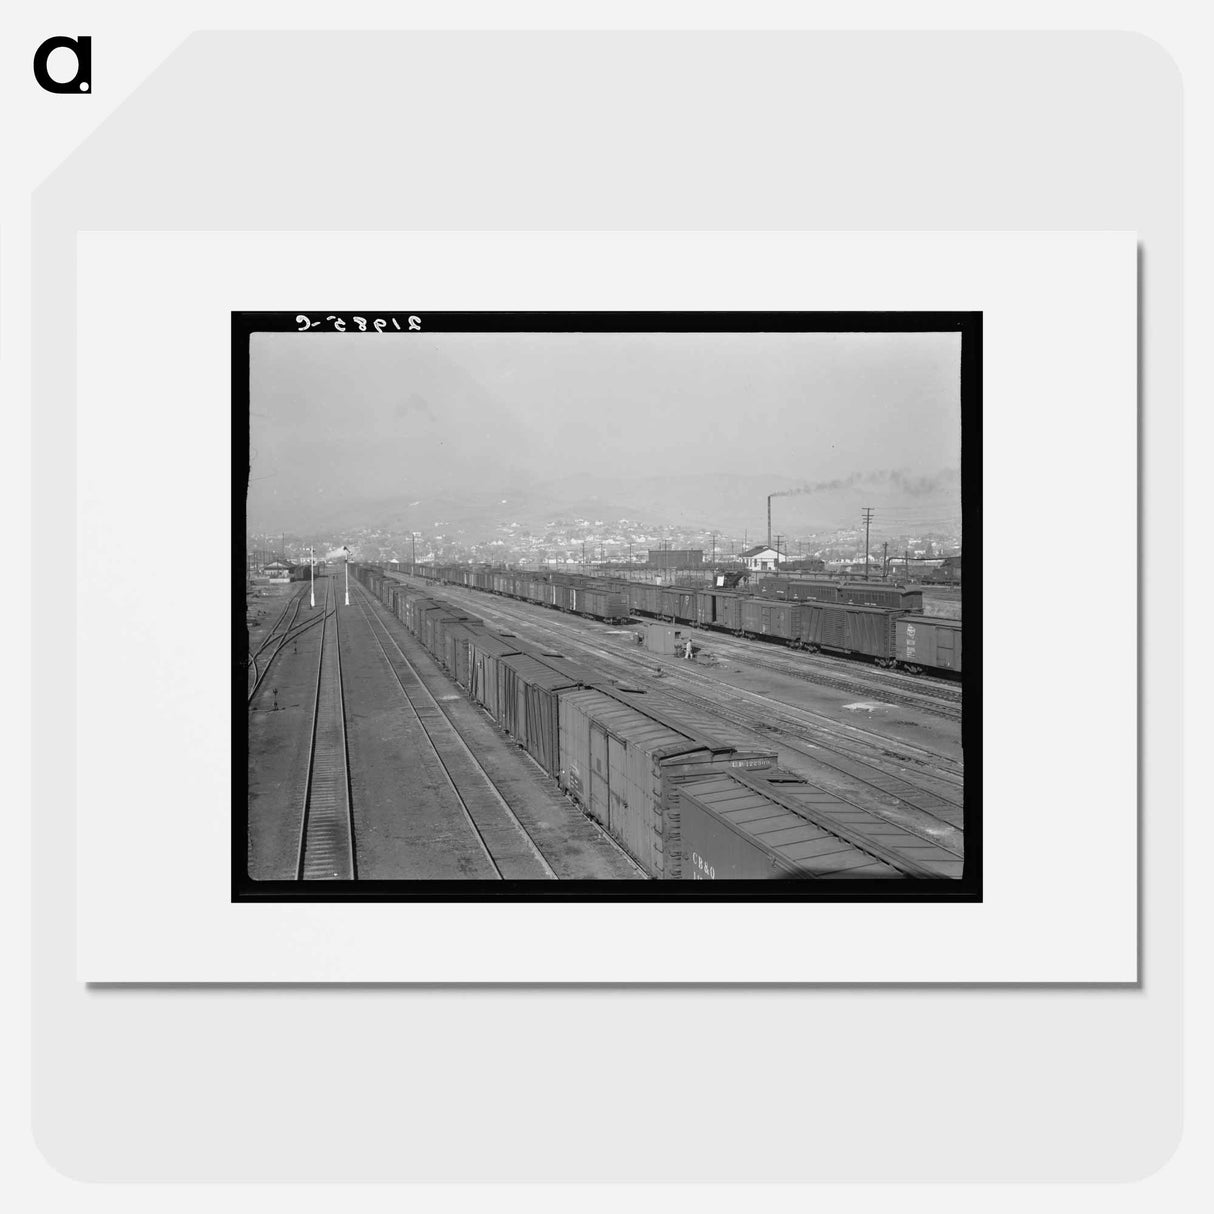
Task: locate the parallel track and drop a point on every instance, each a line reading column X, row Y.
column 507, row 846
column 933, row 815
column 326, row 841
column 944, row 700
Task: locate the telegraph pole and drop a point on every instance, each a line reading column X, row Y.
column 312, row 566
column 868, row 518
column 347, row 550
column 885, row 560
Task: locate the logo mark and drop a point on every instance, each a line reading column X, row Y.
column 82, row 48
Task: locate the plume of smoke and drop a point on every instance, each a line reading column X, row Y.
column 338, row 554
column 891, row 478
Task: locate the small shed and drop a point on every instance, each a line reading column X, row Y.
column 663, row 638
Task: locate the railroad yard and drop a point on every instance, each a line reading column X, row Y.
column 437, row 731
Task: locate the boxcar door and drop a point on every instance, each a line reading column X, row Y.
column 600, row 781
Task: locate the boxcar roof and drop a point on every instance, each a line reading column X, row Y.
column 492, row 644
column 537, row 672
column 630, row 725
column 803, row 846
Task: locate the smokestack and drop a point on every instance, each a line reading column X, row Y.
column 769, row 497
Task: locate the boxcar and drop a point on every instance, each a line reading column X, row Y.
column 778, row 619
column 863, row 630
column 729, row 610
column 529, row 707
column 875, row 594
column 932, row 642
column 485, row 654
column 644, row 598
column 598, row 603
column 621, row 764
column 799, row 589
column 729, row 830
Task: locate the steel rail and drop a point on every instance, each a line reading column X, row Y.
column 373, row 621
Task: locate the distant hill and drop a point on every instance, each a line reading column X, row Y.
column 730, row 502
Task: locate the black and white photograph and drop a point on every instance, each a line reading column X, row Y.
column 598, row 605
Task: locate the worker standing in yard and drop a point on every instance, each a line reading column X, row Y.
column 687, row 651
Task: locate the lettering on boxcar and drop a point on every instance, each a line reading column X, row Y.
column 701, row 869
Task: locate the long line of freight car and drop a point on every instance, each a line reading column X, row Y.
column 880, row 623
column 682, row 793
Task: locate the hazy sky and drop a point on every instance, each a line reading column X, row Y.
column 342, row 418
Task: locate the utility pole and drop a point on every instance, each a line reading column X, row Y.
column 347, row 576
column 868, row 518
column 885, row 560
column 312, row 566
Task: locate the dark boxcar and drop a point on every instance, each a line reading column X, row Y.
column 728, row 831
column 415, row 608
column 772, row 618
column 863, row 630
column 729, row 610
column 485, row 655
column 932, row 642
column 644, row 598
column 459, row 639
column 598, row 603
column 799, row 589
column 529, row 707
column 874, row 594
column 668, row 603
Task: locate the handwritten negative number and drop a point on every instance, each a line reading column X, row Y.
column 379, row 325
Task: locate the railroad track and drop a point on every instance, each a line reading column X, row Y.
column 933, row 815
column 508, row 848
column 943, row 700
column 290, row 606
column 292, row 632
column 326, row 837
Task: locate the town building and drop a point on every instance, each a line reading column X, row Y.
column 762, row 559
